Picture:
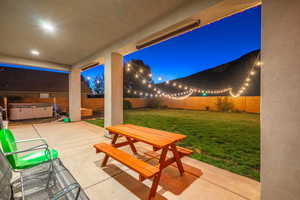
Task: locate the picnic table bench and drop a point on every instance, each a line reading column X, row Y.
column 166, row 141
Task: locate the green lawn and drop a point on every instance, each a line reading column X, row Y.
column 227, row 140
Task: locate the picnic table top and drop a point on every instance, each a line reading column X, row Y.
column 154, row 137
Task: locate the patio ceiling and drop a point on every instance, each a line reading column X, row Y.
column 82, row 27
column 76, row 33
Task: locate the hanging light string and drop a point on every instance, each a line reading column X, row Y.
column 246, row 83
column 184, row 95
column 140, row 75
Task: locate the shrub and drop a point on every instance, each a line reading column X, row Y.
column 224, row 105
column 154, row 103
column 127, row 104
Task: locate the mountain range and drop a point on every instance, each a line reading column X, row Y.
column 228, row 75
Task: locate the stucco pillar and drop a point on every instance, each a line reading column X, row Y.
column 280, row 106
column 75, row 95
column 113, row 94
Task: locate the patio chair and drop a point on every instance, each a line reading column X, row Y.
column 32, row 181
column 38, row 154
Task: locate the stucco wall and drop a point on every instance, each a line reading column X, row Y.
column 280, row 110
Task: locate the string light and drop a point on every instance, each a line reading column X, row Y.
column 190, row 91
column 247, row 80
column 258, row 63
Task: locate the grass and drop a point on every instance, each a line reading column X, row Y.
column 227, row 140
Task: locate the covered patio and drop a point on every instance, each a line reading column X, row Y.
column 75, row 141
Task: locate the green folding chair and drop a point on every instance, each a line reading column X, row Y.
column 38, row 154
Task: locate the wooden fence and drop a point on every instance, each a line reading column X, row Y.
column 246, row 104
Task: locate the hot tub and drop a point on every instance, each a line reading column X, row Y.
column 20, row 111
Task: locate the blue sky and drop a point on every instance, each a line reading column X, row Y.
column 201, row 49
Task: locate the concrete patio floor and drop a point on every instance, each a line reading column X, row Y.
column 74, row 141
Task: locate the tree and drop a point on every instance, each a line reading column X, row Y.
column 137, row 67
column 98, row 84
column 85, row 85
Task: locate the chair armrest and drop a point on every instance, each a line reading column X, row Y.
column 66, row 190
column 38, row 147
column 32, row 140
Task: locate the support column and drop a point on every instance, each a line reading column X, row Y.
column 75, row 95
column 280, row 106
column 113, row 94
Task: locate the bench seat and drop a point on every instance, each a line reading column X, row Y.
column 184, row 151
column 144, row 169
column 181, row 150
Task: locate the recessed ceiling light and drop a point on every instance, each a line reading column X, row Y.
column 35, row 52
column 47, row 26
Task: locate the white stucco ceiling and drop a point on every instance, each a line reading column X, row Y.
column 82, row 27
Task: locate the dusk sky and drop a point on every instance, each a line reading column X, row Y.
column 201, row 49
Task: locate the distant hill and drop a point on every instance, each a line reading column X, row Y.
column 231, row 74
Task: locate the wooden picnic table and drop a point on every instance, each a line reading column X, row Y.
column 158, row 139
